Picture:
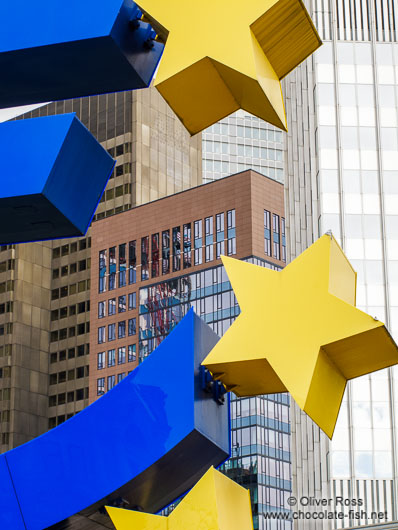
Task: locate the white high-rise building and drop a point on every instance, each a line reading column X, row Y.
column 342, row 175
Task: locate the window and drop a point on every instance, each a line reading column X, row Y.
column 101, row 335
column 132, row 326
column 145, row 258
column 121, row 355
column 121, row 329
column 198, row 243
column 112, row 268
column 111, row 332
column 187, row 246
column 111, row 358
column 100, row 386
column 122, row 265
column 132, row 355
column 176, row 248
column 101, row 309
column 276, row 238
column 231, row 227
column 220, row 235
column 283, row 230
column 132, row 301
column 132, row 262
column 155, row 255
column 122, row 304
column 209, row 239
column 166, row 252
column 112, row 306
column 102, row 271
column 111, row 381
column 267, row 232
column 121, row 376
column 101, row 360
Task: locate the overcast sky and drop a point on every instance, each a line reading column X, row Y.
column 7, row 114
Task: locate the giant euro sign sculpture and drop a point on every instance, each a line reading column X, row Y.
column 53, row 189
column 221, row 56
column 60, row 50
column 309, row 341
column 147, row 441
column 215, row 503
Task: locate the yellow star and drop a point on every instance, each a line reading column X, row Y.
column 215, row 503
column 223, row 55
column 299, row 331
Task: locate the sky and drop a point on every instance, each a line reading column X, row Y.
column 8, row 114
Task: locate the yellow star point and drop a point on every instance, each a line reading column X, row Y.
column 299, row 331
column 214, row 503
column 222, row 56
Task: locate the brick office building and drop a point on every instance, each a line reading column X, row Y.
column 151, row 264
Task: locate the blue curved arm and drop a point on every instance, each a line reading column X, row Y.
column 59, row 50
column 147, row 441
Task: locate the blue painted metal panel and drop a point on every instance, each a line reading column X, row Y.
column 11, row 517
column 57, row 50
column 53, row 173
column 147, row 440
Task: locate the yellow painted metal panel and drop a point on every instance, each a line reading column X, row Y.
column 214, row 503
column 300, row 330
column 128, row 519
column 220, row 56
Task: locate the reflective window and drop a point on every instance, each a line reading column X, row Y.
column 145, row 258
column 111, row 358
column 132, row 262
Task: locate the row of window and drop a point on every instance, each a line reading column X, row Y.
column 121, row 330
column 79, row 351
column 6, row 247
column 169, row 251
column 78, row 266
column 7, row 307
column 123, row 302
column 119, row 191
column 70, row 248
column 275, row 239
column 5, row 371
column 111, row 380
column 75, row 309
column 5, row 416
column 57, row 420
column 112, row 211
column 5, row 350
column 8, row 265
column 240, row 149
column 109, row 360
column 68, row 290
column 120, row 150
column 5, row 394
column 6, row 286
column 245, row 132
column 68, row 397
column 73, row 331
column 6, row 329
column 70, row 375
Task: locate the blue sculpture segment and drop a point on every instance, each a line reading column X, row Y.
column 146, row 441
column 58, row 50
column 53, row 173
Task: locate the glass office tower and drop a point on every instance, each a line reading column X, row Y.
column 240, row 142
column 343, row 165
